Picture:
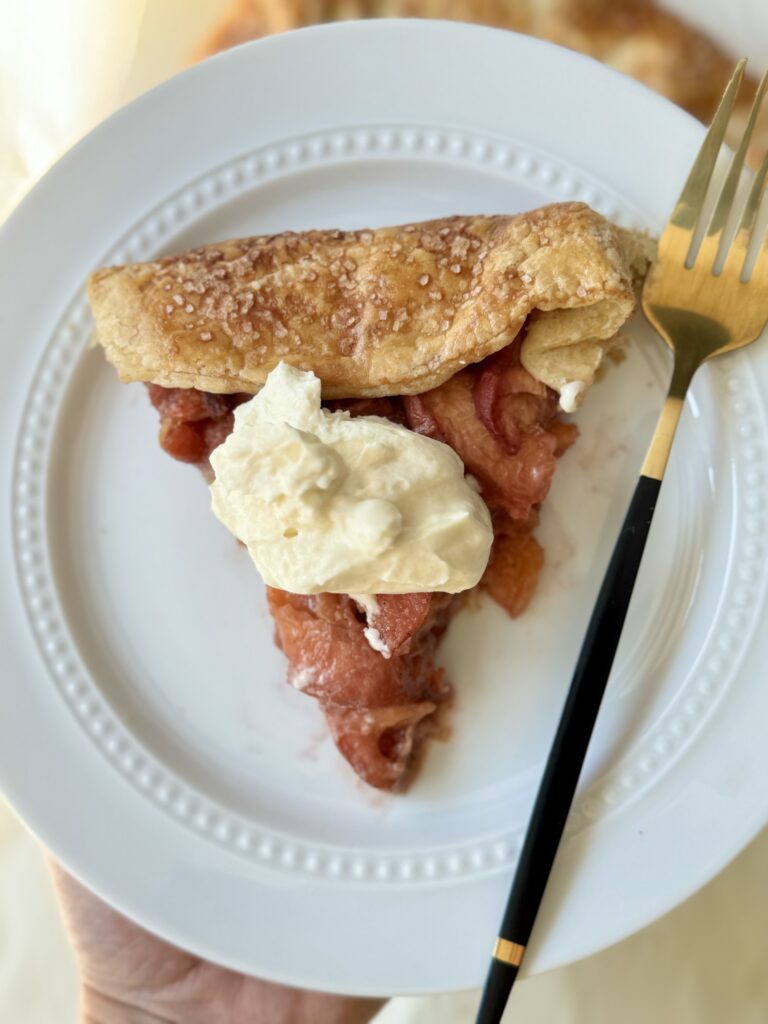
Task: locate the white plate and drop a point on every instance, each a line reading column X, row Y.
column 146, row 734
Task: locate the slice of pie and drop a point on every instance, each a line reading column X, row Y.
column 476, row 331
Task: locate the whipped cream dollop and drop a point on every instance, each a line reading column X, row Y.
column 329, row 502
column 571, row 395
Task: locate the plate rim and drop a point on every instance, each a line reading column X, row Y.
column 78, row 687
column 226, row 60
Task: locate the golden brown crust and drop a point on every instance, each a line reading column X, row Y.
column 387, row 311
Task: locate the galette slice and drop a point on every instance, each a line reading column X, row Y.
column 475, row 331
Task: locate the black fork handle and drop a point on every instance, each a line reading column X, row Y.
column 569, row 748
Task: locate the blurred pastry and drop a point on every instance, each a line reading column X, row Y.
column 634, row 36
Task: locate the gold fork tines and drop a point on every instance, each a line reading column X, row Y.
column 736, row 260
column 702, row 309
column 716, row 230
column 688, row 207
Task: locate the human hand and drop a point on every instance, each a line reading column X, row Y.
column 131, row 977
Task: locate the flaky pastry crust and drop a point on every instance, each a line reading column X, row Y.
column 390, row 311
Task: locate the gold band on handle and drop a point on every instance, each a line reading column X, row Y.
column 508, row 952
column 661, row 443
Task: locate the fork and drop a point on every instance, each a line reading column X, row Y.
column 706, row 294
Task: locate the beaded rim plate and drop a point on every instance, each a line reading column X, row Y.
column 208, row 793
